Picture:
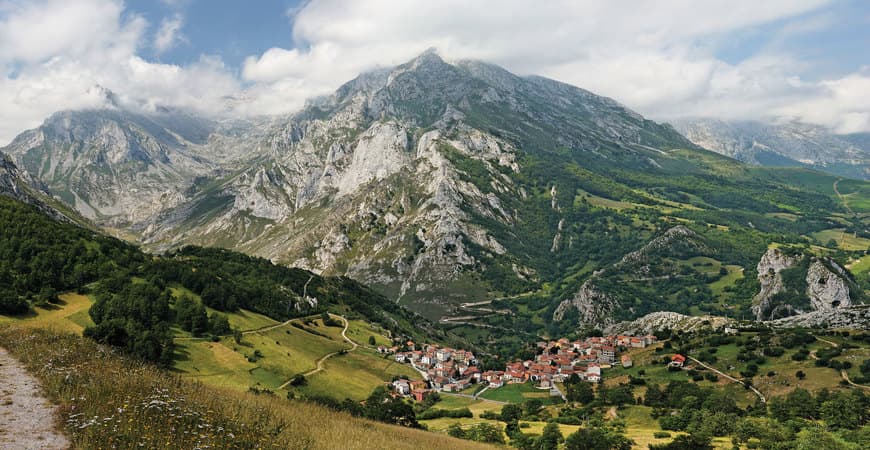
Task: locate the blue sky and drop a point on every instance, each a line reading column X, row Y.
column 733, row 59
column 235, row 30
column 231, row 29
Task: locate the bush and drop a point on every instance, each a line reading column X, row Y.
column 298, row 380
column 661, row 434
column 436, row 413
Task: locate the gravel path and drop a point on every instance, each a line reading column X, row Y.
column 26, row 417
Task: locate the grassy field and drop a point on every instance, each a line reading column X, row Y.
column 354, row 375
column 515, row 393
column 845, row 241
column 776, row 375
column 109, row 401
column 285, row 351
column 69, row 314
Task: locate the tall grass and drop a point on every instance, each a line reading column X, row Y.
column 109, row 401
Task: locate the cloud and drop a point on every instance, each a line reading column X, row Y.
column 169, row 34
column 657, row 57
column 661, row 58
column 43, row 75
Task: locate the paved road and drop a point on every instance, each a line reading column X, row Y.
column 26, row 417
column 322, row 360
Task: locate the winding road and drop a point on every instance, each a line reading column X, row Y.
column 322, row 360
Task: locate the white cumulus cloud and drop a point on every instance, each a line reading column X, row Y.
column 169, row 33
column 660, row 58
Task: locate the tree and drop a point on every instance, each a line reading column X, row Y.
column 800, row 374
column 533, row 406
column 842, row 411
column 551, row 437
column 580, row 391
column 298, row 380
column 219, row 325
column 486, row 432
column 686, row 442
column 511, row 413
column 816, row 439
column 237, row 336
column 598, row 437
column 382, row 407
column 372, row 340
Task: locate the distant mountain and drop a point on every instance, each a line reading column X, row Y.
column 118, row 168
column 444, row 185
column 786, row 144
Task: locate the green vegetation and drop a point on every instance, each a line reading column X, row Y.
column 516, row 393
column 135, row 304
column 108, row 399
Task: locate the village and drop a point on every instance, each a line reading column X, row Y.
column 444, row 369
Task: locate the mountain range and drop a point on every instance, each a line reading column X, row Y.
column 788, row 144
column 469, row 194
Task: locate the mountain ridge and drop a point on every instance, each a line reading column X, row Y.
column 441, row 184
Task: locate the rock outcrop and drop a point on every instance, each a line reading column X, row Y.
column 852, row 317
column 595, row 308
column 769, row 267
column 669, row 320
column 827, row 285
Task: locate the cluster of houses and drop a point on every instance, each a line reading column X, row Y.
column 557, row 360
column 444, row 369
column 449, row 370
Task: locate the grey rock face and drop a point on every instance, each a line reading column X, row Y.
column 595, row 307
column 826, row 289
column 119, row 168
column 771, row 264
column 853, row 317
column 827, row 285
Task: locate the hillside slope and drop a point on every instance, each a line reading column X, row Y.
column 106, row 398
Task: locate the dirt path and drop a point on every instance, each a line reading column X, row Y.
column 729, row 377
column 322, row 360
column 26, row 418
column 843, row 198
column 843, row 374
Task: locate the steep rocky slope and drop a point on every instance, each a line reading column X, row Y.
column 404, row 178
column 119, row 168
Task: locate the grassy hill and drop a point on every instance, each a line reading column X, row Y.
column 286, row 350
column 110, row 400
